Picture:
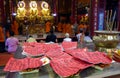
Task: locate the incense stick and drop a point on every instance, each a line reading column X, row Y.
column 110, row 20
column 113, row 19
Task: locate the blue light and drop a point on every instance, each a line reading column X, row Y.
column 14, row 14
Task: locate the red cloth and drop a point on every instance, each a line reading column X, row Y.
column 34, row 48
column 16, row 65
column 53, row 46
column 91, row 57
column 62, row 63
column 54, row 53
column 34, row 62
column 65, row 65
column 73, row 52
column 69, row 45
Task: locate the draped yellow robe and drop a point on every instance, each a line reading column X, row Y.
column 47, row 27
column 1, row 34
column 15, row 27
column 64, row 28
column 59, row 27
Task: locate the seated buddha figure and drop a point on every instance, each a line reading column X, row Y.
column 33, row 9
column 45, row 9
column 21, row 11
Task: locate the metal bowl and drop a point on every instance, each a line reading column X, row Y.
column 106, row 44
column 106, row 39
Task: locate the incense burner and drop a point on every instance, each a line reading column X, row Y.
column 106, row 39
